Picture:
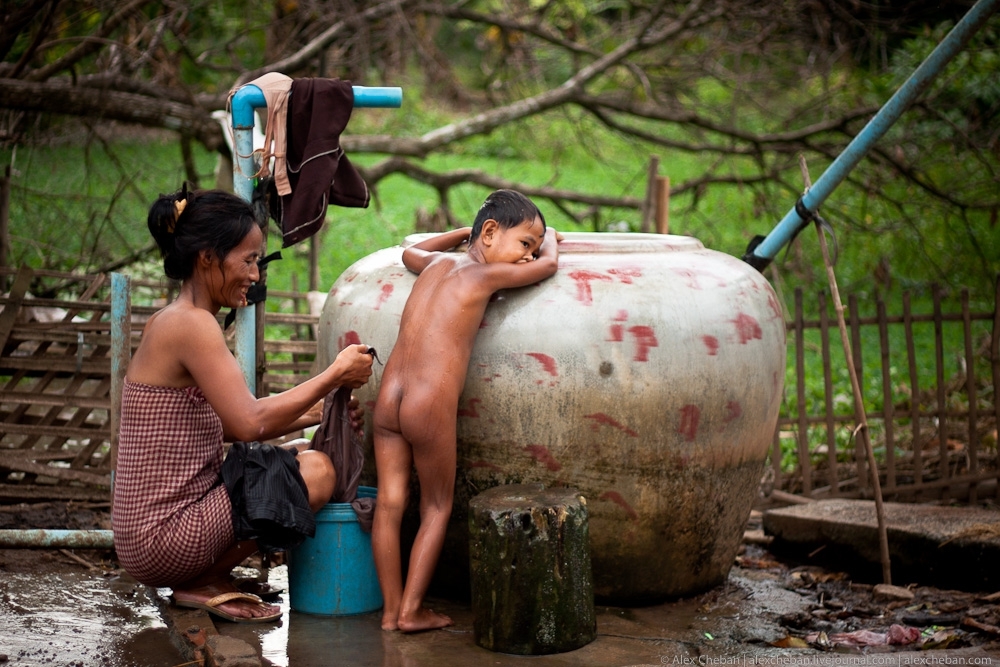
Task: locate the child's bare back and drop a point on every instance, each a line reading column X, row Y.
column 417, row 404
column 436, row 334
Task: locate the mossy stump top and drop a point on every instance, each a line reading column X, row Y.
column 532, row 585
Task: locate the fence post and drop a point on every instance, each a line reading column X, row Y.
column 649, row 205
column 121, row 354
column 995, row 355
column 663, row 204
column 805, row 465
column 971, row 395
column 888, row 409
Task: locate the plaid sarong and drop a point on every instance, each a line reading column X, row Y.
column 171, row 514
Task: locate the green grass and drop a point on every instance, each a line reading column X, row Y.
column 82, row 207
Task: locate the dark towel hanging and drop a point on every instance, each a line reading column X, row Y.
column 319, row 172
column 337, row 439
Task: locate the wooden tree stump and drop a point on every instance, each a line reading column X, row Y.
column 532, row 586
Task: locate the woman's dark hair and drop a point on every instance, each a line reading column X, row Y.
column 508, row 208
column 207, row 220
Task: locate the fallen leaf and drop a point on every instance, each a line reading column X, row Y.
column 791, row 642
column 938, row 640
column 751, row 563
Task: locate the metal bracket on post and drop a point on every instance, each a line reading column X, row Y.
column 245, row 100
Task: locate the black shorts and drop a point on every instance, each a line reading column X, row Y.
column 269, row 497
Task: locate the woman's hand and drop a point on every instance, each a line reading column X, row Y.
column 356, row 413
column 354, row 364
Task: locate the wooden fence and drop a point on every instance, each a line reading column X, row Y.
column 932, row 381
column 931, row 378
column 55, row 372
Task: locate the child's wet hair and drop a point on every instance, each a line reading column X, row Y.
column 508, row 208
column 185, row 223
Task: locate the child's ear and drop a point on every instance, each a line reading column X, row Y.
column 489, row 230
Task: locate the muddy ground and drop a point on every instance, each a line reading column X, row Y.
column 833, row 611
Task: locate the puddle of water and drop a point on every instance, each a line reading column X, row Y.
column 728, row 621
column 81, row 619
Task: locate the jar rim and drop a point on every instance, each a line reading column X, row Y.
column 604, row 242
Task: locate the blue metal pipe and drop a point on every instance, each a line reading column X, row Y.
column 245, row 100
column 760, row 254
column 56, row 539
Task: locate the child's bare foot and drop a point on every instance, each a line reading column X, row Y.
column 423, row 619
column 389, row 621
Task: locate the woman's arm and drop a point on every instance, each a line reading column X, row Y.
column 204, row 354
column 418, row 256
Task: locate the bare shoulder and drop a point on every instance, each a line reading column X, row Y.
column 179, row 322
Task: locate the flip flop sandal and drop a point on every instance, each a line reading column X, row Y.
column 261, row 589
column 212, row 606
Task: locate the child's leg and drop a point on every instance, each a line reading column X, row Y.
column 434, row 455
column 393, row 460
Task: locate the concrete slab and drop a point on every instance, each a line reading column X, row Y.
column 949, row 547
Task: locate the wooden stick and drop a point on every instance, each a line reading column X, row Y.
column 649, row 205
column 859, row 407
column 662, row 204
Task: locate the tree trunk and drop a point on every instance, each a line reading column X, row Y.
column 532, row 585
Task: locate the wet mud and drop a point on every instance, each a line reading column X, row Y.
column 77, row 608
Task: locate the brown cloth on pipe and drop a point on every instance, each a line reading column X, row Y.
column 337, row 439
column 318, row 171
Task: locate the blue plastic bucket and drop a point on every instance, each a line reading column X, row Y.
column 333, row 572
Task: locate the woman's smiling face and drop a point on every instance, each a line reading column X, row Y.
column 239, row 270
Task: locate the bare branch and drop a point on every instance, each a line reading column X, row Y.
column 311, row 50
column 89, row 45
column 58, row 97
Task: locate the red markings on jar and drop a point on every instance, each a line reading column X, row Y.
column 584, row 294
column 601, row 419
column 712, row 344
column 775, row 307
column 747, row 328
column 349, row 338
column 695, row 279
column 645, row 338
column 542, row 454
column 690, row 416
column 626, row 274
column 616, row 334
column 383, row 295
column 643, row 335
column 582, row 278
column 547, row 362
column 733, row 411
column 617, row 499
column 471, row 410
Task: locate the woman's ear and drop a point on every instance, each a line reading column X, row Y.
column 206, row 257
column 488, row 232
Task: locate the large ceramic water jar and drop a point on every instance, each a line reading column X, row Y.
column 647, row 374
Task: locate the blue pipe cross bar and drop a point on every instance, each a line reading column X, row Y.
column 245, row 100
column 250, row 97
column 760, row 254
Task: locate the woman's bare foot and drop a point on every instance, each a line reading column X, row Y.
column 234, row 610
column 389, row 621
column 423, row 619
